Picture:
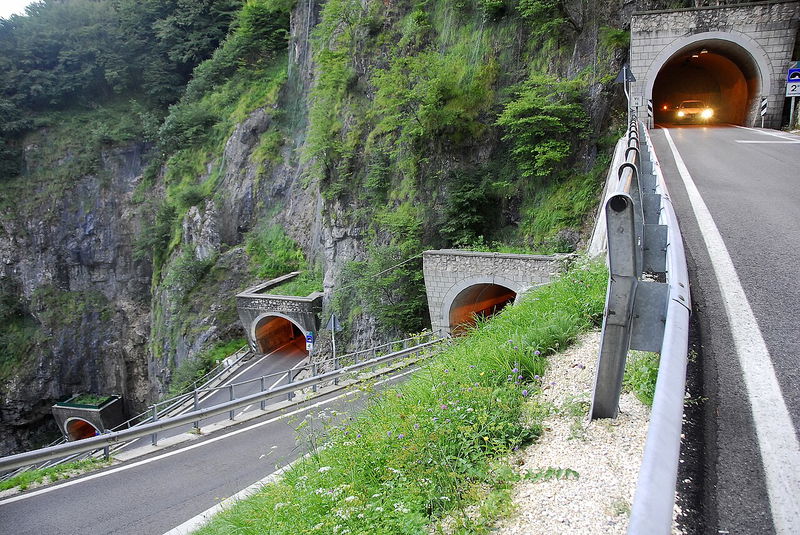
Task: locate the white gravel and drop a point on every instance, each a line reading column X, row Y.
column 605, row 453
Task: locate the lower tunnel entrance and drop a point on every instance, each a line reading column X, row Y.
column 78, row 429
column 480, row 300
column 720, row 74
column 272, row 332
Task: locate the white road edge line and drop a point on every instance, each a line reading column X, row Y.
column 188, row 448
column 759, row 141
column 197, row 521
column 777, row 440
column 782, row 135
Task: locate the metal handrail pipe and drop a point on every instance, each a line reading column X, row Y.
column 654, row 500
column 110, row 439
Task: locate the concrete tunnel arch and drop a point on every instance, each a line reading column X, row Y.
column 731, row 76
column 476, row 296
column 272, row 330
column 78, row 429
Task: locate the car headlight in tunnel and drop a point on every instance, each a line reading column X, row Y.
column 707, row 113
column 681, row 114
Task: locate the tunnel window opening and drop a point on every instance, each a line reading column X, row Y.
column 720, row 74
column 272, row 332
column 78, row 429
column 478, row 301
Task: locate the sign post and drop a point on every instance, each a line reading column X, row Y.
column 625, row 77
column 793, row 88
column 333, row 326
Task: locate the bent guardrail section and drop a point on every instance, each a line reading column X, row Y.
column 647, row 308
column 148, row 429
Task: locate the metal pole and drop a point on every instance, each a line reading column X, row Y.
column 791, row 113
column 263, row 401
column 314, row 374
column 290, row 394
column 155, row 419
column 230, row 390
column 335, row 360
column 196, row 406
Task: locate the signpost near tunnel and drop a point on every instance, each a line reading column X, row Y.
column 793, row 88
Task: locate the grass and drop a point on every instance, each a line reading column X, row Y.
column 435, row 445
column 192, row 369
column 49, row 475
column 302, row 285
column 641, row 372
column 89, row 399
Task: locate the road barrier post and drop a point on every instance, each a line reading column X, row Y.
column 154, row 436
column 314, row 374
column 196, row 406
column 230, row 391
column 263, row 401
column 290, row 394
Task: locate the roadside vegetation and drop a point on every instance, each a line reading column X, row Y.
column 641, row 373
column 50, row 475
column 436, row 445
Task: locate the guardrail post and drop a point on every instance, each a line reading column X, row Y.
column 154, row 436
column 196, row 406
column 290, row 395
column 314, row 374
column 263, row 387
column 615, row 340
column 230, row 390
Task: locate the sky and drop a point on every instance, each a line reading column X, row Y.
column 9, row 7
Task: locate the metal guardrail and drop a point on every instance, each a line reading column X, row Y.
column 118, row 437
column 649, row 315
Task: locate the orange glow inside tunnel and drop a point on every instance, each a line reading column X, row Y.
column 273, row 332
column 79, row 429
column 480, row 300
column 722, row 76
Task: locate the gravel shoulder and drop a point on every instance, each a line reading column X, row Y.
column 606, row 454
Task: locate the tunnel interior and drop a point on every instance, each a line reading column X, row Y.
column 78, row 429
column 272, row 332
column 480, row 300
column 720, row 73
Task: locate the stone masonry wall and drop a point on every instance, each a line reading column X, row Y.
column 764, row 30
column 449, row 272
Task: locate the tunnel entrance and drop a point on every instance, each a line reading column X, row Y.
column 78, row 429
column 480, row 300
column 272, row 332
column 721, row 74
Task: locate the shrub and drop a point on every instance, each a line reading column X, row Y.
column 272, row 253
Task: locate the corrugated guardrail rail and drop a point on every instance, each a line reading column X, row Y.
column 354, row 363
column 649, row 315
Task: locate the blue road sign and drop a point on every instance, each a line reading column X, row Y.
column 793, row 75
column 309, row 337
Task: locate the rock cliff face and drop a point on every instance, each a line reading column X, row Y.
column 71, row 261
column 103, row 322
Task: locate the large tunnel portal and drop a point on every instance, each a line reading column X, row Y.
column 480, row 300
column 273, row 332
column 721, row 74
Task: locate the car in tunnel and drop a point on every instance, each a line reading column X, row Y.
column 693, row 111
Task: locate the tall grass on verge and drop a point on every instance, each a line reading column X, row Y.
column 420, row 452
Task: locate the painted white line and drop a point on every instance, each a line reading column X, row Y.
column 189, row 448
column 766, row 142
column 782, row 135
column 777, row 439
column 198, row 521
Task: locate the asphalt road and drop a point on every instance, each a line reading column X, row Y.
column 155, row 494
column 750, row 181
column 246, row 381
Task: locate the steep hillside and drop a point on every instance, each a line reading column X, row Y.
column 383, row 129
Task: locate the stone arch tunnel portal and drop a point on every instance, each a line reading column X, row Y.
column 721, row 73
column 478, row 300
column 78, row 429
column 272, row 332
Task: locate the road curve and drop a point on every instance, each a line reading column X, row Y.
column 155, row 494
column 750, row 182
